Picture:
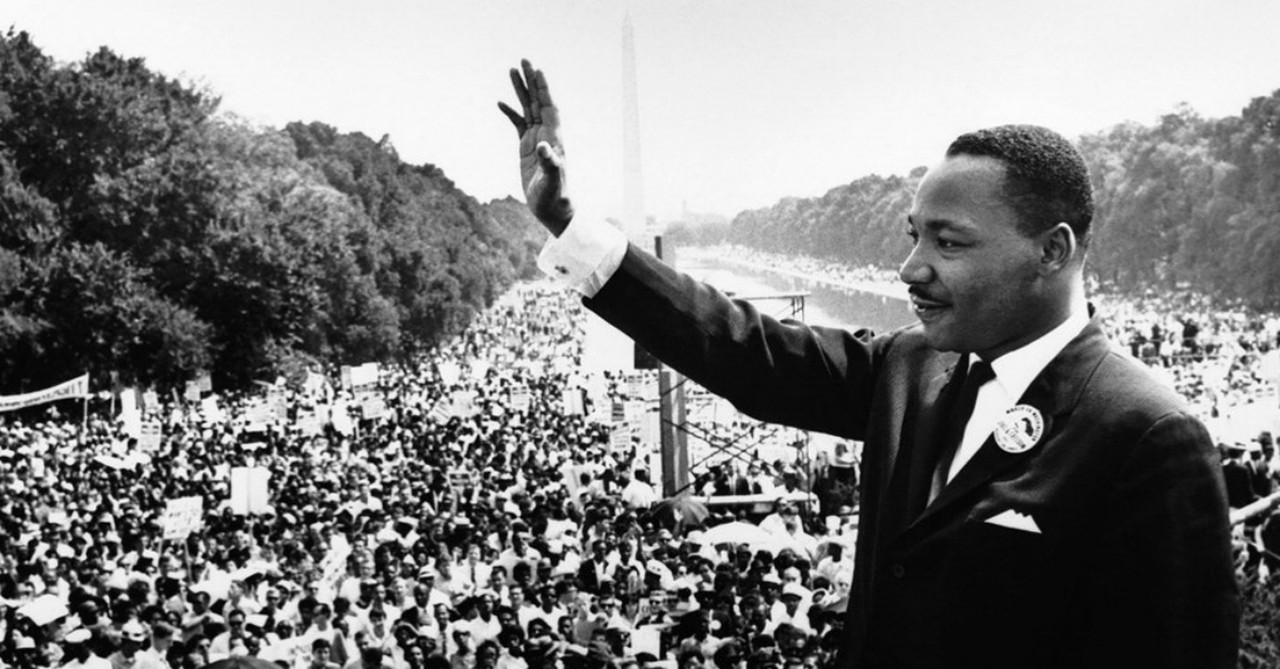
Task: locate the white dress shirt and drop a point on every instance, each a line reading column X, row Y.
column 584, row 256
column 1014, row 372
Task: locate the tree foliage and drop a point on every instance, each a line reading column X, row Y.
column 1187, row 201
column 143, row 233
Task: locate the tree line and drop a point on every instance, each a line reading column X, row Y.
column 1187, row 202
column 147, row 237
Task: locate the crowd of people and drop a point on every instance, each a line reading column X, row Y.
column 477, row 508
column 492, row 504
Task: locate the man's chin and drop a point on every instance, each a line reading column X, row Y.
column 938, row 338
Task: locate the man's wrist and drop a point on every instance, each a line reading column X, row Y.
column 558, row 223
column 585, row 256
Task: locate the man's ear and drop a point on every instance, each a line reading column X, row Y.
column 1058, row 248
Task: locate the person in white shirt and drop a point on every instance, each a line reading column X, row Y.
column 76, row 652
column 638, row 493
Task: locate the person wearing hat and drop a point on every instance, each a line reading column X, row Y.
column 77, row 653
column 133, row 653
column 428, row 578
column 792, row 608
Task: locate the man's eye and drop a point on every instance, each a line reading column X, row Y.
column 947, row 244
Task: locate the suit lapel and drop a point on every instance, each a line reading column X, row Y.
column 1054, row 392
column 920, row 433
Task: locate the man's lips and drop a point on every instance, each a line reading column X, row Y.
column 925, row 303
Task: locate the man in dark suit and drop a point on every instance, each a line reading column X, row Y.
column 1235, row 472
column 597, row 570
column 1031, row 497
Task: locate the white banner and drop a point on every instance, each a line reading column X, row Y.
column 77, row 387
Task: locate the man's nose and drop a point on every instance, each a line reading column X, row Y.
column 915, row 269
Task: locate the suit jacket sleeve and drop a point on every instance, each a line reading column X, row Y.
column 778, row 371
column 1166, row 593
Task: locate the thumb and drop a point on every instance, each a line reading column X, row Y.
column 552, row 164
column 549, row 157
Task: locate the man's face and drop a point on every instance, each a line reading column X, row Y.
column 792, row 603
column 506, row 618
column 972, row 273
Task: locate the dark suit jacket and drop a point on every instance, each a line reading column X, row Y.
column 1259, row 478
column 587, row 577
column 1239, row 483
column 1132, row 565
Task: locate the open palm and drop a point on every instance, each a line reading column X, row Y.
column 541, row 152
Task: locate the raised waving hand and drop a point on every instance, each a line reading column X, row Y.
column 541, row 152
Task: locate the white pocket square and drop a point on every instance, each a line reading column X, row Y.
column 1015, row 521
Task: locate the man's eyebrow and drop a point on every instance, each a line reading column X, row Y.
column 938, row 224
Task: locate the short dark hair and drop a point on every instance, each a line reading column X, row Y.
column 1046, row 180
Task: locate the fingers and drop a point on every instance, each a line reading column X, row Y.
column 535, row 99
column 533, row 110
column 516, row 119
column 541, row 92
column 522, row 91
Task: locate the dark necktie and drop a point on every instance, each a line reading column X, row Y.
column 957, row 419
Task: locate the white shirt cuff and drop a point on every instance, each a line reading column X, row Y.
column 584, row 256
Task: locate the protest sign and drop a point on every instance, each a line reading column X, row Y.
column 151, row 436
column 463, row 404
column 363, row 375
column 620, row 438
column 309, row 423
column 520, row 399
column 450, row 372
column 341, row 419
column 372, row 407
column 250, row 493
column 181, row 517
column 571, row 402
column 75, row 388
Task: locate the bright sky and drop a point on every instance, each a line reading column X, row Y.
column 742, row 102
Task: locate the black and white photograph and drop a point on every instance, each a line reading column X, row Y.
column 639, row 334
